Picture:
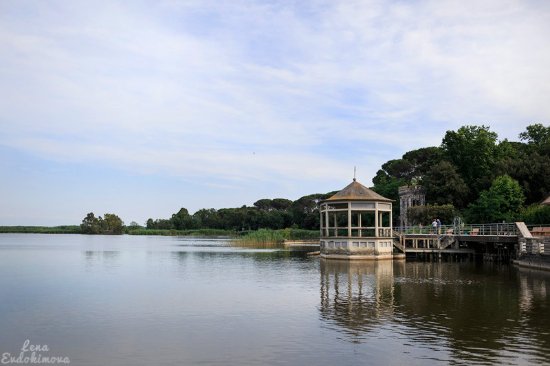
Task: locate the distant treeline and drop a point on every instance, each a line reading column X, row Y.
column 66, row 229
column 173, row 232
column 278, row 213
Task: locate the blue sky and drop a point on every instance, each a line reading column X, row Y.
column 142, row 107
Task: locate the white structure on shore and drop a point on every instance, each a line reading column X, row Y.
column 356, row 223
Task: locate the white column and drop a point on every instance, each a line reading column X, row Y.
column 349, row 219
column 335, row 225
column 391, row 219
column 327, row 222
column 376, row 219
column 321, row 220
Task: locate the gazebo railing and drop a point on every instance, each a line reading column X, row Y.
column 358, row 232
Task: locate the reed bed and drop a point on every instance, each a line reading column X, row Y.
column 267, row 238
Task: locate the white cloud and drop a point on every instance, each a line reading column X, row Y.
column 282, row 92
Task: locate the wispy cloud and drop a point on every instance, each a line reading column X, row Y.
column 248, row 92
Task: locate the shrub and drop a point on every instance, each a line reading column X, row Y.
column 536, row 214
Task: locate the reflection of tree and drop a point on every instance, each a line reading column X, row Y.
column 463, row 312
column 477, row 311
column 534, row 289
column 356, row 296
column 107, row 258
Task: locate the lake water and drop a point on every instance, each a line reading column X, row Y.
column 136, row 300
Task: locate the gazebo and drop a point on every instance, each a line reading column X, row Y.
column 546, row 202
column 356, row 223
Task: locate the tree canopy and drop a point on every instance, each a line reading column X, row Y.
column 467, row 163
column 501, row 202
column 109, row 224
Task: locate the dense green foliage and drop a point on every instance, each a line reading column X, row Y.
column 172, row 232
column 536, row 214
column 111, row 224
column 466, row 171
column 275, row 214
column 421, row 215
column 473, row 151
column 502, row 202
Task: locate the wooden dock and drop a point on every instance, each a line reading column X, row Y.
column 499, row 241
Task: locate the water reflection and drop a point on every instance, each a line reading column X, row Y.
column 357, row 296
column 455, row 312
column 104, row 258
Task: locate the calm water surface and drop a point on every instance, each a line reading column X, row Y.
column 127, row 300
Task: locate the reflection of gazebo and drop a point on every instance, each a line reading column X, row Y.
column 356, row 223
column 546, row 202
column 357, row 296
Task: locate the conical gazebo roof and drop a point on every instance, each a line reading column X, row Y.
column 355, row 191
column 546, row 202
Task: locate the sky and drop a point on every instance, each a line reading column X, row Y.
column 139, row 108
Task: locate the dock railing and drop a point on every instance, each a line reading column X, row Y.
column 496, row 229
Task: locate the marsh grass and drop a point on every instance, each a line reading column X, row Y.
column 267, row 238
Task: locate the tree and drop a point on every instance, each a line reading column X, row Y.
column 444, row 185
column 134, row 225
column 399, row 168
column 162, row 224
column 536, row 134
column 422, row 160
column 281, row 204
column 388, row 186
column 263, row 204
column 91, row 224
column 536, row 214
column 529, row 165
column 305, row 210
column 473, row 150
column 182, row 220
column 502, row 202
column 425, row 214
column 207, row 219
column 112, row 224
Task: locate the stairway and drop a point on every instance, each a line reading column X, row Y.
column 446, row 241
column 399, row 244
